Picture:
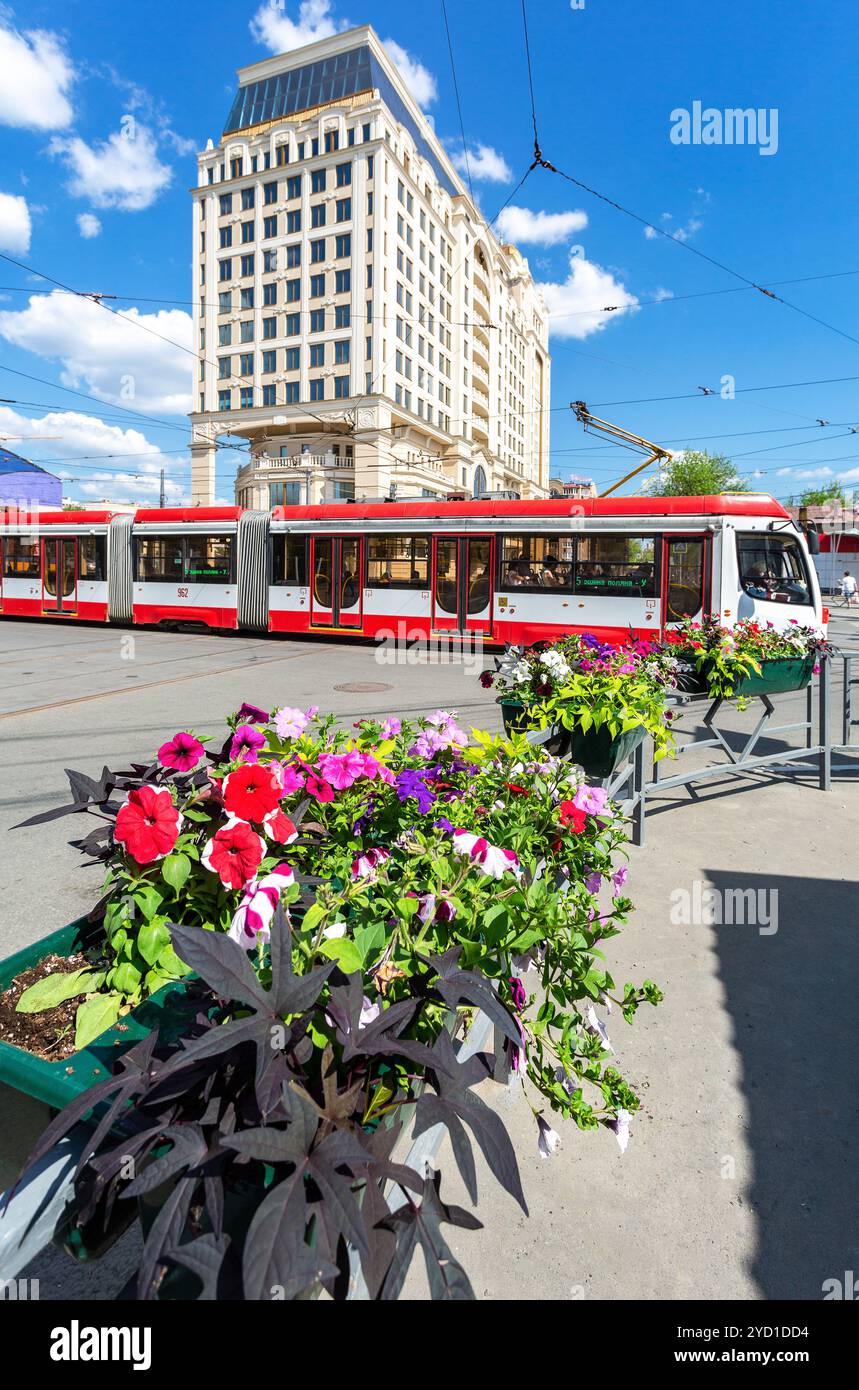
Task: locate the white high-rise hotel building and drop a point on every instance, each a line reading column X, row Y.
column 357, row 323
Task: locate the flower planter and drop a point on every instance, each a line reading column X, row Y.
column 778, row 676
column 596, row 752
column 518, row 720
column 57, row 1083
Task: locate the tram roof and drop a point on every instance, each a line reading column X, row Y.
column 729, row 504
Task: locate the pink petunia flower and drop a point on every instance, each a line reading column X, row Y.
column 340, row 770
column 182, row 753
column 290, row 723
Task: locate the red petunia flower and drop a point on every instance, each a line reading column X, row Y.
column 234, row 853
column 279, row 828
column 252, row 791
column 148, row 824
column 516, row 789
column 572, row 817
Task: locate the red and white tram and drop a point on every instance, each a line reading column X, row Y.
column 507, row 570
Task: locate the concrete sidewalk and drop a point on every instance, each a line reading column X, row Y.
column 739, row 1179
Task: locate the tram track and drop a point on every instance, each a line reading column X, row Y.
column 150, row 685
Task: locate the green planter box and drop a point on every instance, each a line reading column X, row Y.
column 57, row 1083
column 596, row 752
column 517, row 720
column 778, row 677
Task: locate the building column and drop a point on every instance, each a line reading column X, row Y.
column 203, row 474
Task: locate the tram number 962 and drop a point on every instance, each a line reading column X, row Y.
column 181, row 593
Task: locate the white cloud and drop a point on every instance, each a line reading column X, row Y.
column 681, row 233
column 541, row 228
column 107, row 354
column 661, row 294
column 122, row 172
column 14, row 223
column 132, row 475
column 37, row 78
column 272, row 26
column 417, row 78
column 88, row 225
column 575, row 305
column 484, row 164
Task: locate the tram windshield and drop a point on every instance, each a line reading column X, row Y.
column 773, row 568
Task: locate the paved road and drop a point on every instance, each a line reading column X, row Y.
column 739, row 1180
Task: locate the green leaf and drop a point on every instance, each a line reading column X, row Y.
column 175, row 870
column 368, row 939
column 170, row 965
column 312, row 917
column 151, row 940
column 54, row 990
column 94, row 1016
column 345, row 952
column 126, row 978
column 149, row 900
column 407, row 907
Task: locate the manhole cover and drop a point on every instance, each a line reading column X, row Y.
column 363, row 687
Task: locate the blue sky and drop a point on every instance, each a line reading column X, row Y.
column 608, row 75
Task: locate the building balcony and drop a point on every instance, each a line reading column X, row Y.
column 480, row 402
column 480, row 277
column 480, row 374
column 480, row 431
column 272, row 463
column 481, row 303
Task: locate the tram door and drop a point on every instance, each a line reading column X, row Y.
column 463, row 567
column 685, row 580
column 59, row 575
column 336, row 564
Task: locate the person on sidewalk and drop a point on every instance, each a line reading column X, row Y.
column 849, row 589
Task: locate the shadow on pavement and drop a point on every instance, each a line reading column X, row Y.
column 792, row 997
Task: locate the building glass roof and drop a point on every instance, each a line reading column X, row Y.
column 287, row 93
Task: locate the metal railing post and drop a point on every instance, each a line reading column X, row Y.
column 823, row 726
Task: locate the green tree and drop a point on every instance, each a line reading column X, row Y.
column 695, row 473
column 819, row 496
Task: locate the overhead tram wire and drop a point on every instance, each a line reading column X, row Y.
column 458, row 102
column 125, row 318
column 543, row 163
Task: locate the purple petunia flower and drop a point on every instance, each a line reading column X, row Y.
column 252, row 714
column 246, row 742
column 593, row 882
column 517, row 992
column 443, row 824
column 410, row 785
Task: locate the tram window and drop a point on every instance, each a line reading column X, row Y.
column 21, row 558
column 397, row 562
column 208, row 559
column 773, row 568
column 92, row 557
column 537, row 563
column 159, row 559
column 615, row 566
column 289, row 560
